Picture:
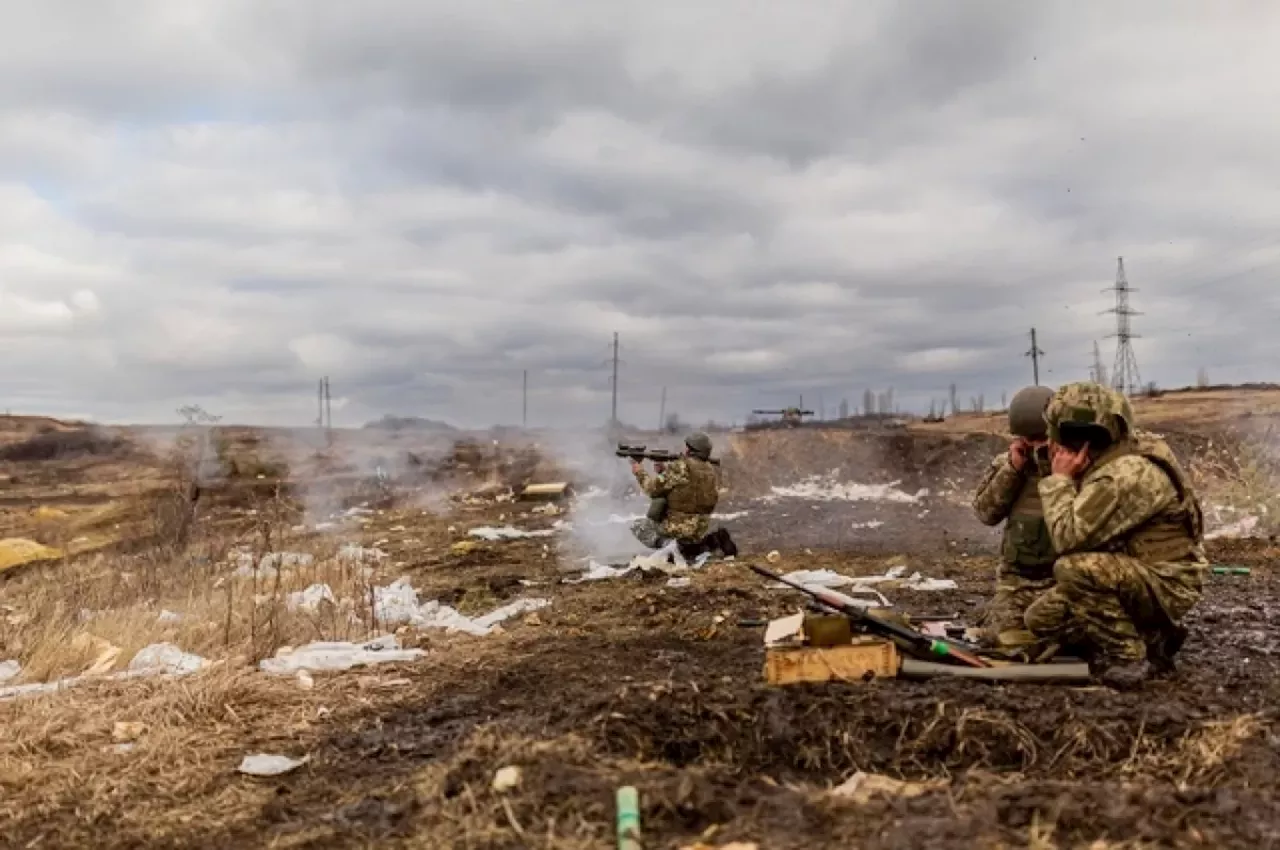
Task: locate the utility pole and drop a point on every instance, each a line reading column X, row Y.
column 1097, row 372
column 524, row 401
column 1035, row 354
column 320, row 404
column 613, row 419
column 662, row 411
column 328, row 406
column 1124, row 374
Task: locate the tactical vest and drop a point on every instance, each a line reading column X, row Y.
column 700, row 495
column 1175, row 533
column 1027, row 547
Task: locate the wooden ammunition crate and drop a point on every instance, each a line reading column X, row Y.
column 863, row 660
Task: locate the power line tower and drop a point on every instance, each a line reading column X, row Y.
column 1124, row 374
column 1035, row 354
column 524, row 400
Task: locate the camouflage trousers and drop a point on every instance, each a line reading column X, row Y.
column 1004, row 621
column 1114, row 604
column 687, row 528
column 649, row 533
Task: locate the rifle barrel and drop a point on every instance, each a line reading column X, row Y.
column 910, row 637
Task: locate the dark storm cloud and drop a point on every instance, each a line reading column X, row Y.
column 222, row 201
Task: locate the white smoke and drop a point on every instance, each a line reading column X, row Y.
column 608, row 500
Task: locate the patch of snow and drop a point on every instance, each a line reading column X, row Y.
column 827, row 489
column 9, row 670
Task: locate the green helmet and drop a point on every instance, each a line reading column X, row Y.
column 1087, row 403
column 1026, row 412
column 699, row 445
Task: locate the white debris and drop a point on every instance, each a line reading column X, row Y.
column 262, row 764
column 601, row 572
column 1240, row 528
column 506, row 779
column 286, row 560
column 323, row 656
column 828, row 489
column 355, row 554
column 870, row 524
column 154, row 660
column 918, row 582
column 679, row 582
column 311, row 598
column 305, row 681
column 167, row 616
column 730, row 516
column 398, row 604
column 165, row 658
column 507, row 532
column 866, row 584
column 9, row 670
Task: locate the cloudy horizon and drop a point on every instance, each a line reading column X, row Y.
column 220, row 201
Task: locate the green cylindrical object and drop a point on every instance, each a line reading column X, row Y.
column 1227, row 570
column 628, row 819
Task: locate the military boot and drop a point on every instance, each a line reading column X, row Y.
column 727, row 547
column 1120, row 674
column 1161, row 651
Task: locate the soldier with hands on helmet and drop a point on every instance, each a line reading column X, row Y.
column 1129, row 534
column 683, row 496
column 1010, row 494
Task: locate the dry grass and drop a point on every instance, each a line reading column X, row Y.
column 221, row 612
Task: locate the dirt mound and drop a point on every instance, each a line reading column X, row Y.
column 54, row 445
column 757, row 461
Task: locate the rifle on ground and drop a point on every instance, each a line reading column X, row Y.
column 657, row 455
column 909, row 640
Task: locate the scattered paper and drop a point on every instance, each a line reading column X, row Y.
column 165, row 658
column 125, row 732
column 352, row 553
column 323, row 656
column 398, row 604
column 311, row 598
column 507, row 532
column 862, row 787
column 266, row 765
column 506, row 779
column 1240, row 528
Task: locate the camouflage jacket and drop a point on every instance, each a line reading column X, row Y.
column 1111, row 500
column 677, row 476
column 1012, row 497
column 997, row 491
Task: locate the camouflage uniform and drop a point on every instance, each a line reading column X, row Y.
column 1026, row 550
column 691, row 487
column 1129, row 534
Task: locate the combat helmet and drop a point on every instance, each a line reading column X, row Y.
column 1088, row 403
column 1026, row 412
column 699, row 445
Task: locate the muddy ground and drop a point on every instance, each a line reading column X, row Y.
column 630, row 681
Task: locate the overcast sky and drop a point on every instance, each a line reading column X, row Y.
column 220, row 201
